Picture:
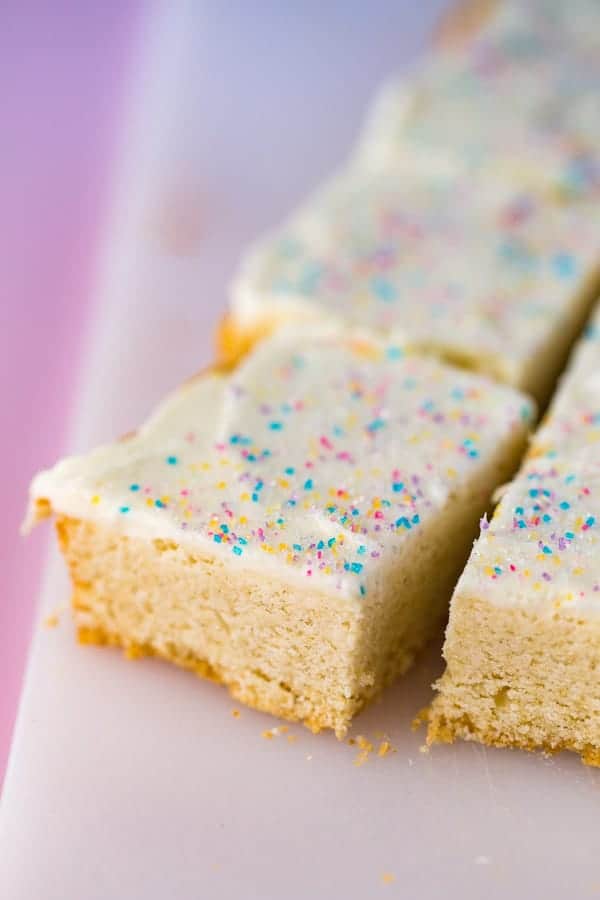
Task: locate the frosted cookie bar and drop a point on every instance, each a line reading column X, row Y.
column 520, row 101
column 523, row 642
column 294, row 529
column 480, row 274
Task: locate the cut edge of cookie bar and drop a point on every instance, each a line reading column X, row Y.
column 519, row 678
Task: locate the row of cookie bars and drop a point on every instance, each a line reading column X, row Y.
column 466, row 223
column 294, row 529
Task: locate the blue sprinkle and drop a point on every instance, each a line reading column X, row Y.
column 546, row 517
column 384, row 290
column 237, row 551
column 289, row 470
column 416, row 519
column 404, row 522
column 590, row 521
column 224, row 528
column 159, row 503
column 172, row 460
column 124, row 509
column 297, row 548
column 547, row 550
column 394, row 353
column 134, row 487
column 217, row 538
column 363, row 590
column 361, row 550
column 533, row 492
column 308, row 484
column 320, row 545
column 565, row 504
column 331, row 542
column 519, row 510
column 564, row 265
column 275, row 426
column 398, row 486
column 375, row 425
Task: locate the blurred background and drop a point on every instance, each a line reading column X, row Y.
column 269, row 100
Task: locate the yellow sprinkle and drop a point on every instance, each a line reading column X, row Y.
column 221, row 485
column 51, row 621
column 388, row 878
column 95, row 499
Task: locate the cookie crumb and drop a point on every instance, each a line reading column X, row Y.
column 51, row 621
column 421, row 718
column 384, row 748
column 388, row 878
column 366, row 748
column 235, row 713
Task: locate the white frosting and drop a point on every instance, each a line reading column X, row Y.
column 320, row 459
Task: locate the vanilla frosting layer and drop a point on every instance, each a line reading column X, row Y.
column 542, row 548
column 472, row 269
column 320, row 458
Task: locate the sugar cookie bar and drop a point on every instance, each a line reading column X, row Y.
column 481, row 274
column 523, row 642
column 521, row 101
column 293, row 529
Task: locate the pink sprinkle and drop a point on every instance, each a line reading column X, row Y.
column 325, row 442
column 378, row 514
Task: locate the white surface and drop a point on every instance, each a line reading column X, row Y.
column 133, row 780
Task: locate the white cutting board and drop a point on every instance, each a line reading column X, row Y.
column 134, row 780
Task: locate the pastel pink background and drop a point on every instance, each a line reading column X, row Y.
column 63, row 75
